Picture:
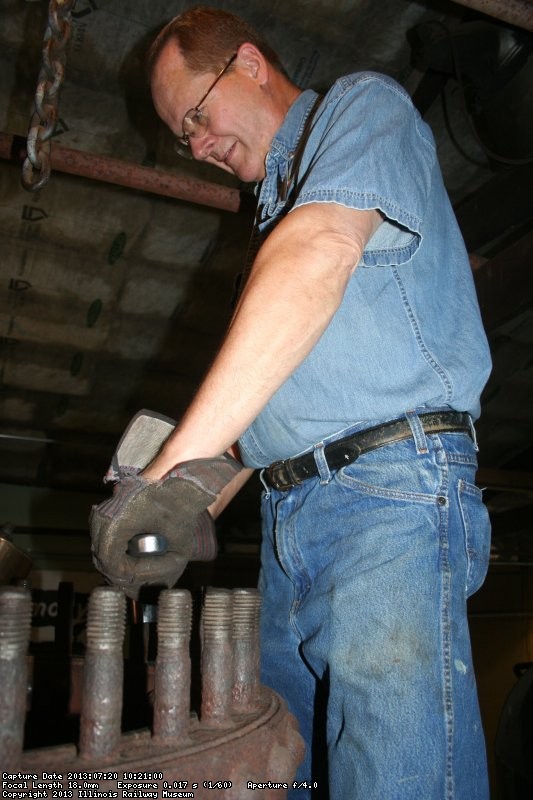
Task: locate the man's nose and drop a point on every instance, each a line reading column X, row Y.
column 201, row 146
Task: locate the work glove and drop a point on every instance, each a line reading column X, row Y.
column 174, row 508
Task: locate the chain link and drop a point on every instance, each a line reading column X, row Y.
column 36, row 167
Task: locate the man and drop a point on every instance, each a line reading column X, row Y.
column 355, row 357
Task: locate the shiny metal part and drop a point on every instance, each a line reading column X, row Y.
column 217, row 657
column 15, row 621
column 172, row 681
column 148, row 544
column 246, row 687
column 101, row 710
column 36, row 168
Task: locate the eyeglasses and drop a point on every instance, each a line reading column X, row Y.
column 195, row 121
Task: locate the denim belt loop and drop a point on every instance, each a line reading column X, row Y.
column 322, row 464
column 418, row 432
column 265, row 484
column 473, row 433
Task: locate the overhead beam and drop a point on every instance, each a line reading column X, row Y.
column 131, row 176
column 515, row 12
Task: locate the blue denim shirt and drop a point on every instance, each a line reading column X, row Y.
column 408, row 334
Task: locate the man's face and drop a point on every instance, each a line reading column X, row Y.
column 240, row 123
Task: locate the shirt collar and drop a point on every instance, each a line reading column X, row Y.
column 287, row 136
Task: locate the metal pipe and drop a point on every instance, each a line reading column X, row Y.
column 103, row 674
column 132, row 176
column 246, row 608
column 172, row 680
column 515, row 12
column 217, row 658
column 15, row 621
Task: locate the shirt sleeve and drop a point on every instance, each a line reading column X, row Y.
column 370, row 149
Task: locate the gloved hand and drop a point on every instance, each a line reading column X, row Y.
column 175, row 507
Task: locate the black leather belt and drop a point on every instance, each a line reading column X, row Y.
column 284, row 475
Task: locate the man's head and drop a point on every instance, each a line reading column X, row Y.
column 207, row 38
column 214, row 65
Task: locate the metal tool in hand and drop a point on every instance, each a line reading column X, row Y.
column 147, row 544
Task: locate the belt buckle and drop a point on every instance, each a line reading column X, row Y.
column 281, row 475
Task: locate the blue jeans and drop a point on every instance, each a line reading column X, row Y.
column 365, row 576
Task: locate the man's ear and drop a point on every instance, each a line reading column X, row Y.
column 251, row 59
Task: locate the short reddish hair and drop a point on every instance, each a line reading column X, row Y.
column 207, row 38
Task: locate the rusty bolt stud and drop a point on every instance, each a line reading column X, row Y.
column 173, row 665
column 15, row 621
column 103, row 674
column 246, row 608
column 217, row 658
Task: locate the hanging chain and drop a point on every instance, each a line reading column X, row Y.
column 36, row 167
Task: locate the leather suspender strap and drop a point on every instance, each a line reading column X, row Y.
column 285, row 190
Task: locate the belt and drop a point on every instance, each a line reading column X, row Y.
column 283, row 475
